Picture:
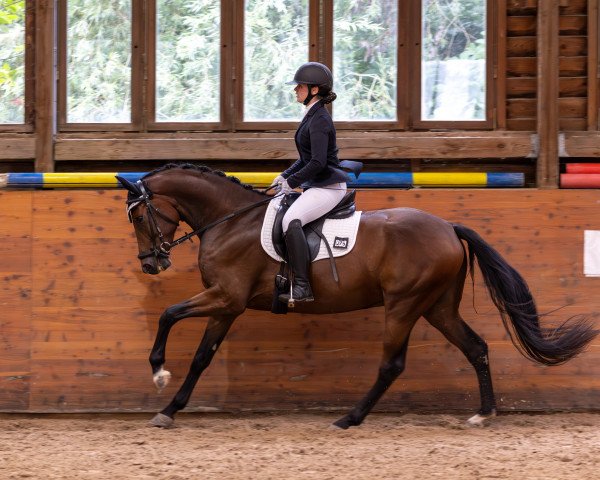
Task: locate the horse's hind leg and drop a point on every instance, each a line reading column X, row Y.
column 399, row 321
column 444, row 316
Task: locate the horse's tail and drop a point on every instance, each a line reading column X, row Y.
column 510, row 293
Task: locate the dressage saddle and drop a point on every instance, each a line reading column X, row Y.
column 313, row 230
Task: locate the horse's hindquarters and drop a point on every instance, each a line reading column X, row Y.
column 398, row 252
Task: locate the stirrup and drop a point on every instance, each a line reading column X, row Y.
column 291, row 302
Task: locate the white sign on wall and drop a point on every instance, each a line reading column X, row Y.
column 591, row 253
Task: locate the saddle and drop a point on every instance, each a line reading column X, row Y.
column 313, row 230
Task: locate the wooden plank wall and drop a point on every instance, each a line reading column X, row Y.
column 522, row 65
column 37, row 145
column 573, row 68
column 79, row 317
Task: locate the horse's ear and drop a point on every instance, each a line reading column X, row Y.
column 132, row 187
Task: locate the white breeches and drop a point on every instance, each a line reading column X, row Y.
column 314, row 203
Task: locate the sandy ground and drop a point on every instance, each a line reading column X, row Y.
column 299, row 446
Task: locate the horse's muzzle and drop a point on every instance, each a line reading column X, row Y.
column 150, row 268
column 153, row 267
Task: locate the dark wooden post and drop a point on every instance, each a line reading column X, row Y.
column 45, row 84
column 547, row 93
column 499, row 27
column 593, row 70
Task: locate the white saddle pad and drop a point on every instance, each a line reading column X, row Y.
column 341, row 234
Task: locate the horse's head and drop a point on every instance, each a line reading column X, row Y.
column 155, row 219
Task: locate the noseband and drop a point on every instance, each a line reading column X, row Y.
column 163, row 250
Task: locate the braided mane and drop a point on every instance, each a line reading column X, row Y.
column 203, row 169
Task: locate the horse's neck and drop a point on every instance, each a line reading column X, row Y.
column 207, row 201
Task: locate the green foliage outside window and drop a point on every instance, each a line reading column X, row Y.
column 12, row 61
column 453, row 59
column 365, row 59
column 99, row 61
column 188, row 60
column 275, row 45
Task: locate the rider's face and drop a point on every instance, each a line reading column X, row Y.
column 302, row 92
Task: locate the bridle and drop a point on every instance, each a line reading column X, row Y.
column 163, row 249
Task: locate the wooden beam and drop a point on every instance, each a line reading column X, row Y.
column 45, row 84
column 548, row 91
column 513, row 4
column 500, row 52
column 581, row 144
column 17, row 148
column 356, row 145
column 592, row 73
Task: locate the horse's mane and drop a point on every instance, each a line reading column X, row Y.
column 203, row 169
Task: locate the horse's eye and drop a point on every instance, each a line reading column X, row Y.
column 139, row 219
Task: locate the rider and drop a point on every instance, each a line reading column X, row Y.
column 316, row 171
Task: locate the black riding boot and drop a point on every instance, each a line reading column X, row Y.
column 299, row 261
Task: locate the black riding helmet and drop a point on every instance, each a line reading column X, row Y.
column 313, row 74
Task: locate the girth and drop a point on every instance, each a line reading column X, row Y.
column 313, row 230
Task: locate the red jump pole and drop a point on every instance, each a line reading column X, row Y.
column 583, row 167
column 580, row 180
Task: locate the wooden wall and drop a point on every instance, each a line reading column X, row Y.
column 78, row 316
column 535, row 69
column 522, row 66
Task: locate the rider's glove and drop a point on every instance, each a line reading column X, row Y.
column 284, row 187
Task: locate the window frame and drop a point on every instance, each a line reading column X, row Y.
column 415, row 68
column 137, row 15
column 238, row 92
column 150, row 68
column 320, row 48
column 401, row 122
column 27, row 125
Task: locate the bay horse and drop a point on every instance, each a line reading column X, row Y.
column 411, row 262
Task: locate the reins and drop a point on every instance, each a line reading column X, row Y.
column 199, row 231
column 164, row 248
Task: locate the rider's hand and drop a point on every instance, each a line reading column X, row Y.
column 284, row 187
column 278, row 180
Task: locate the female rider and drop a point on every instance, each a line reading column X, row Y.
column 316, row 171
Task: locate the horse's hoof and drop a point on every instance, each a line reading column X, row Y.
column 161, row 379
column 162, row 421
column 479, row 420
column 335, row 427
column 344, row 423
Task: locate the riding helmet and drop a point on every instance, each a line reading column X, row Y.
column 313, row 73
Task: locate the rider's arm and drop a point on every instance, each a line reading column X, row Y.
column 319, row 132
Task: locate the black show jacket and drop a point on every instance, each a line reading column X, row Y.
column 318, row 165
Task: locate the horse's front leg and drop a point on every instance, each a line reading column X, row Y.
column 216, row 330
column 209, row 303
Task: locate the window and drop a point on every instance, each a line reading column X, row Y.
column 98, row 61
column 275, row 44
column 12, row 62
column 188, row 61
column 453, row 60
column 211, row 65
column 365, row 59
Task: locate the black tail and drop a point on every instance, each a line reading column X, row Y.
column 510, row 293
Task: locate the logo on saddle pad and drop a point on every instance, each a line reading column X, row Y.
column 341, row 242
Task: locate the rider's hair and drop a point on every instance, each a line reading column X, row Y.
column 327, row 95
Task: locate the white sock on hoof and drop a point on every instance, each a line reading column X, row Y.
column 161, row 379
column 479, row 420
